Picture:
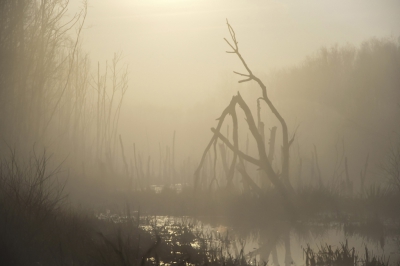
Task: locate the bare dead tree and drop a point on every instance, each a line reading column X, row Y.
column 263, row 162
column 271, row 144
column 251, row 77
column 111, row 88
column 320, row 183
column 39, row 61
column 363, row 175
column 224, row 159
column 280, row 181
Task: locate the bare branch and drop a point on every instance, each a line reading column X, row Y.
column 214, row 138
column 83, row 14
column 234, row 50
column 241, row 154
column 291, row 140
column 245, row 80
column 245, row 75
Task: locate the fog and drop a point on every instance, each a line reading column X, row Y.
column 143, row 71
column 170, row 107
column 178, row 44
column 180, row 77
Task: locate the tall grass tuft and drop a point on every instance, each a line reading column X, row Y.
column 341, row 256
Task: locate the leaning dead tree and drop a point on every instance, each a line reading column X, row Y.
column 279, row 180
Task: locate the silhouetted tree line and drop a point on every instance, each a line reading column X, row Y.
column 361, row 83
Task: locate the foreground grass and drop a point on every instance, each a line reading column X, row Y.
column 342, row 256
column 38, row 227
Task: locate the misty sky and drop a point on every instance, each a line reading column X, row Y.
column 175, row 48
column 176, row 52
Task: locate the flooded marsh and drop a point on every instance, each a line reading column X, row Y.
column 199, row 132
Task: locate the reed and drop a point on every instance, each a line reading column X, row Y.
column 342, row 255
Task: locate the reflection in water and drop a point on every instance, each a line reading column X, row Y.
column 279, row 242
column 282, row 243
column 285, row 243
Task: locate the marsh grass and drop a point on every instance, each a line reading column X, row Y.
column 326, row 255
column 342, row 255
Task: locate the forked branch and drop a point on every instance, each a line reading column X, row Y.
column 250, row 76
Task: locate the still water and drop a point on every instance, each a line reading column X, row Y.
column 279, row 243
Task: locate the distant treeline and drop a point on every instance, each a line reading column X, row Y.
column 358, row 82
column 343, row 93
